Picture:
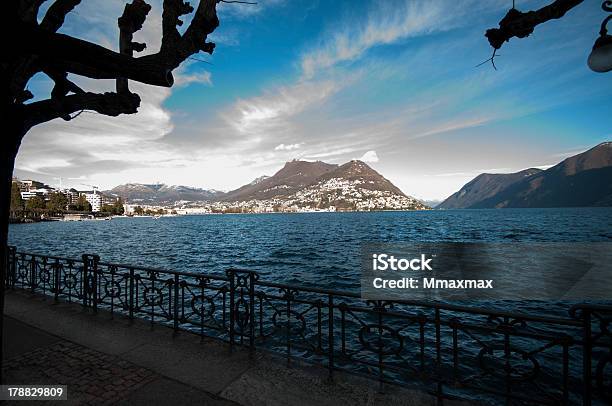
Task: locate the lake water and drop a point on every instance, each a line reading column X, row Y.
column 312, row 249
column 319, row 249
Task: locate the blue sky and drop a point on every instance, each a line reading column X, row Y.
column 392, row 82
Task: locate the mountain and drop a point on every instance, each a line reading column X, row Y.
column 482, row 187
column 292, row 177
column 297, row 186
column 581, row 180
column 302, row 185
column 160, row 193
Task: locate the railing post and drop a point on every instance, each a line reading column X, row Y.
column 175, row 304
column 232, row 289
column 33, row 273
column 56, row 280
column 131, row 299
column 288, row 335
column 84, row 280
column 586, row 357
column 90, row 281
column 96, row 276
column 330, row 334
column 11, row 266
column 242, row 283
column 252, row 279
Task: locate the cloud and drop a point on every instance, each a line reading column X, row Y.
column 287, row 147
column 240, row 11
column 370, row 157
column 184, row 79
column 271, row 110
column 385, row 24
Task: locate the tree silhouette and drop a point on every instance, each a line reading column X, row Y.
column 522, row 24
column 33, row 45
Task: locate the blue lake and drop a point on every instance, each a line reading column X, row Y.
column 324, row 250
column 312, row 249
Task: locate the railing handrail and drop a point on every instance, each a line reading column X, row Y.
column 337, row 293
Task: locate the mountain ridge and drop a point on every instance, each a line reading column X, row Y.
column 161, row 193
column 484, row 186
column 584, row 179
column 293, row 176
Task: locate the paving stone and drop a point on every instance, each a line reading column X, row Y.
column 77, row 367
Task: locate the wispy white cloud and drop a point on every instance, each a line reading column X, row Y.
column 244, row 10
column 370, row 157
column 185, row 79
column 386, row 23
column 288, row 147
column 272, row 110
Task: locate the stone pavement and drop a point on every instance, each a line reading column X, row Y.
column 106, row 360
column 35, row 357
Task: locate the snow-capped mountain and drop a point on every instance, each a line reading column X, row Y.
column 161, row 193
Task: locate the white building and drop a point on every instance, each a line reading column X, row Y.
column 95, row 199
column 42, row 192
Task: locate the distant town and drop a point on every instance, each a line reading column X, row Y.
column 300, row 186
column 32, row 201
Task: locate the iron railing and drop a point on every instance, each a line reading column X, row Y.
column 445, row 349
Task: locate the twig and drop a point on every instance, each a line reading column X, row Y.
column 492, row 59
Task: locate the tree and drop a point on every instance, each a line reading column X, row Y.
column 522, row 24
column 57, row 202
column 82, row 204
column 36, row 203
column 118, row 207
column 16, row 200
column 32, row 45
column 139, row 211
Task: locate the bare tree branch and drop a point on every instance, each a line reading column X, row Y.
column 56, row 14
column 27, row 10
column 62, row 86
column 520, row 25
column 84, row 58
column 176, row 48
column 26, row 66
column 109, row 104
column 131, row 21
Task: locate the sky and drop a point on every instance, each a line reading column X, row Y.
column 394, row 83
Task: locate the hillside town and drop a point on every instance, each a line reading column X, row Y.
column 300, row 186
column 332, row 195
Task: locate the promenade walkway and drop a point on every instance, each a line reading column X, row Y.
column 112, row 361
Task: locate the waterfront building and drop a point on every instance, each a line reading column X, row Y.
column 95, row 199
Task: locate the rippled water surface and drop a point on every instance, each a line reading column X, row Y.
column 315, row 249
